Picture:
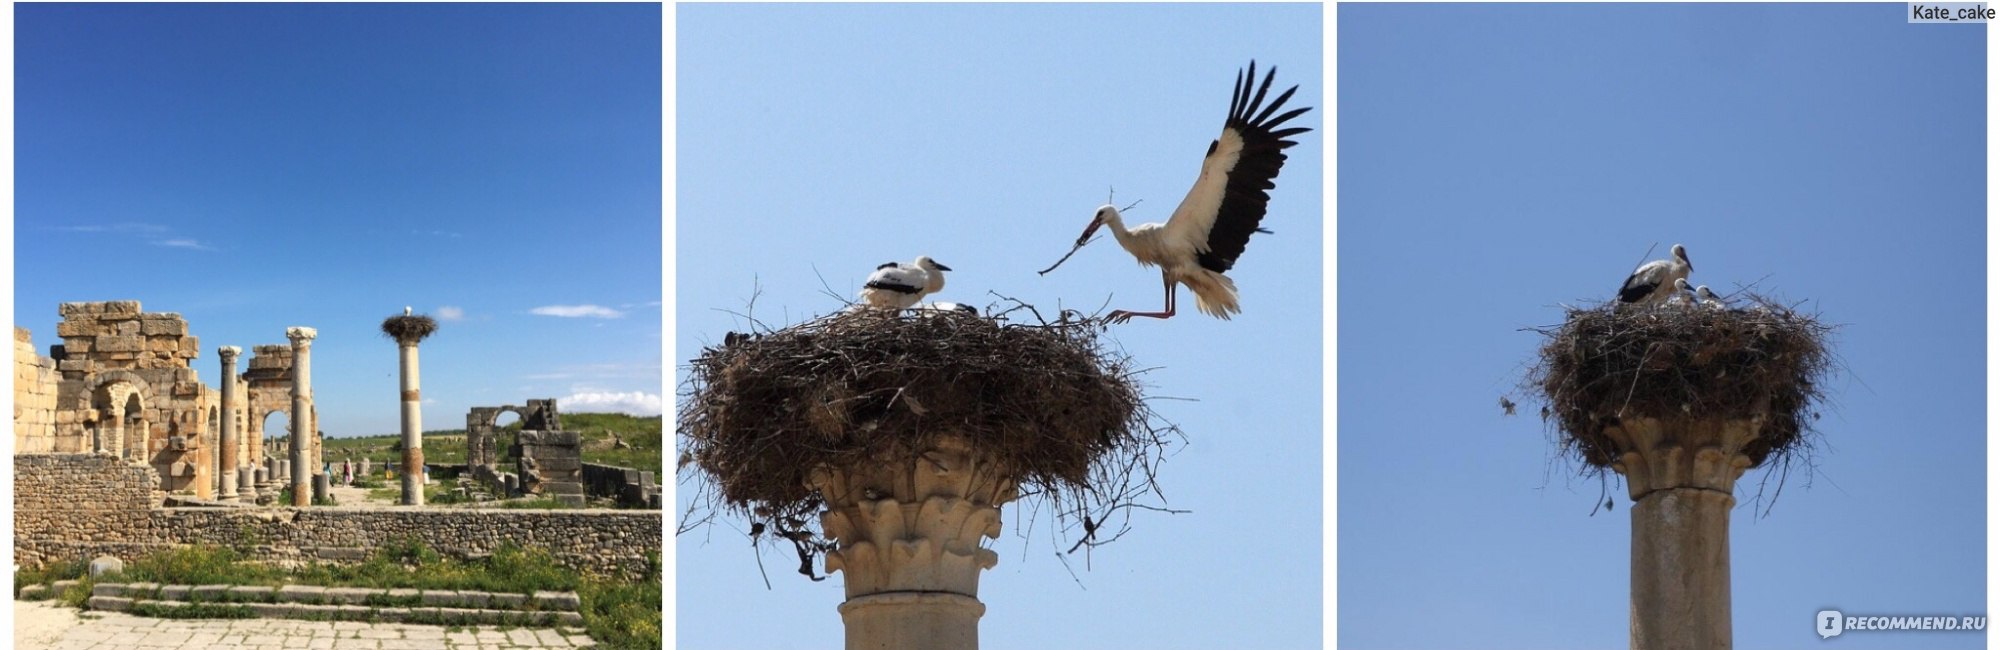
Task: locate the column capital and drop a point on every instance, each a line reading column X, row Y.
column 301, row 335
column 1707, row 454
column 914, row 525
column 228, row 353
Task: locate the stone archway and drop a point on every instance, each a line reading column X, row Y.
column 118, row 399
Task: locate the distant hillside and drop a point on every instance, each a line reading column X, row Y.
column 447, row 446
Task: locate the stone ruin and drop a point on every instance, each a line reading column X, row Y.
column 123, row 383
column 547, row 460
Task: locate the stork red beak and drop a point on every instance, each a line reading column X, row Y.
column 1087, row 232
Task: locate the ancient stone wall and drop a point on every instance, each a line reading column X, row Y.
column 128, row 386
column 551, row 464
column 629, row 486
column 34, row 397
column 69, row 506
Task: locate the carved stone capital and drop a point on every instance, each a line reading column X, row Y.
column 301, row 335
column 228, row 353
column 1706, row 454
column 914, row 525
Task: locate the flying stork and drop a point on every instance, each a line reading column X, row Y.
column 1653, row 282
column 1205, row 235
column 900, row 286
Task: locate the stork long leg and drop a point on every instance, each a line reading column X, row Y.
column 1121, row 315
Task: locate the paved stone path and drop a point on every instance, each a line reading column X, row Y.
column 39, row 624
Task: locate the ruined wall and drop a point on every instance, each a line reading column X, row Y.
column 629, row 486
column 69, row 506
column 551, row 464
column 34, row 397
column 130, row 387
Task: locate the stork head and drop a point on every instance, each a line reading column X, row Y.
column 1681, row 253
column 406, row 310
column 926, row 263
column 1681, row 284
column 1106, row 214
column 1704, row 292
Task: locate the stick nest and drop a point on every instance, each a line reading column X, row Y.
column 408, row 328
column 761, row 411
column 1681, row 362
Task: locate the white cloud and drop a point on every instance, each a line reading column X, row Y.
column 635, row 403
column 577, row 311
column 182, row 243
column 450, row 313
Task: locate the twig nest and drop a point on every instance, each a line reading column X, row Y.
column 1766, row 363
column 400, row 328
column 764, row 411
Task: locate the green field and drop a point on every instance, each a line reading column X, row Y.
column 447, row 446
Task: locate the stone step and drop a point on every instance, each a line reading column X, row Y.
column 415, row 615
column 540, row 601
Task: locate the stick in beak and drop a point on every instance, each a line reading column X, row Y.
column 1081, row 240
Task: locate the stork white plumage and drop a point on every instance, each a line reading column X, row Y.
column 900, row 286
column 1203, row 237
column 406, row 310
column 1683, row 293
column 1708, row 298
column 949, row 307
column 1653, row 282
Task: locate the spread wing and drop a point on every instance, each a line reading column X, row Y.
column 1228, row 199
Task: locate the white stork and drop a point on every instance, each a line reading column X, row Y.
column 946, row 307
column 1683, row 293
column 1205, row 235
column 1708, row 298
column 900, row 286
column 1653, row 282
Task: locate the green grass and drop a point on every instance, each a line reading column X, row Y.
column 447, row 446
column 618, row 614
column 48, row 574
column 193, row 610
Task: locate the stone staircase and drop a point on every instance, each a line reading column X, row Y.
column 427, row 606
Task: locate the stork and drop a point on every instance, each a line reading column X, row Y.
column 1683, row 293
column 1708, row 298
column 900, row 286
column 946, row 307
column 1205, row 235
column 1653, row 282
column 406, row 310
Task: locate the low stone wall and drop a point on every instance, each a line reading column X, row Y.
column 70, row 506
column 629, row 486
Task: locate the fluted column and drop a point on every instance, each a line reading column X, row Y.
column 229, row 443
column 907, row 537
column 1682, row 475
column 301, row 415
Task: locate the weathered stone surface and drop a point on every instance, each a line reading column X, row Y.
column 106, row 565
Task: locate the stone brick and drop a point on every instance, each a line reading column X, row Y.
column 126, row 328
column 156, row 325
column 120, row 343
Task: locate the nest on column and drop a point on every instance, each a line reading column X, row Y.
column 1049, row 400
column 415, row 327
column 1682, row 361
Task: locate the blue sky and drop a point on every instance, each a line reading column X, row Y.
column 255, row 167
column 1497, row 161
column 815, row 142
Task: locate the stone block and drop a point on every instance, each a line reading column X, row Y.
column 110, row 604
column 120, row 343
column 106, row 565
column 34, row 592
column 557, row 600
column 190, row 346
column 73, row 365
column 551, row 438
column 174, row 592
column 127, row 328
column 208, row 593
column 162, row 325
column 81, row 328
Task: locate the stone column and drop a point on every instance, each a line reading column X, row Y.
column 907, row 538
column 413, row 425
column 1682, row 475
column 229, row 443
column 301, row 415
